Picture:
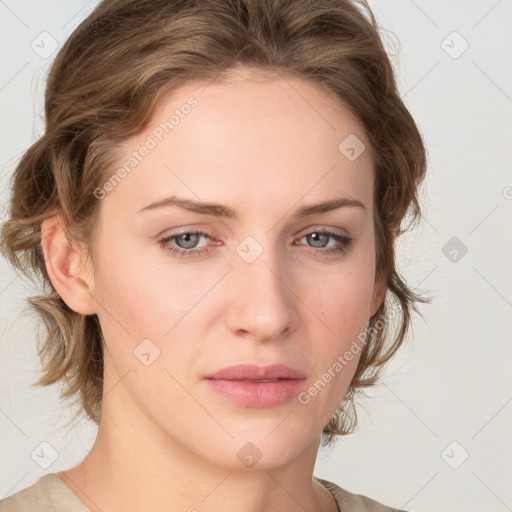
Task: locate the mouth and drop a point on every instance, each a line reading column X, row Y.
column 256, row 386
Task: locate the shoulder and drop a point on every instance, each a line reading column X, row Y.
column 350, row 502
column 48, row 493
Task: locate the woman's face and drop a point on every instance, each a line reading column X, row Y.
column 263, row 283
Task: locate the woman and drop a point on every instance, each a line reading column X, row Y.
column 214, row 206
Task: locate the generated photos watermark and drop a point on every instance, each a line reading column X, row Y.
column 344, row 359
column 151, row 142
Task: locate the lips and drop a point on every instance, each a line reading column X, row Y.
column 255, row 373
column 250, row 385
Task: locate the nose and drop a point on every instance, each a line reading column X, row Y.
column 262, row 305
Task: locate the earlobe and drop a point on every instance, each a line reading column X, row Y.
column 65, row 265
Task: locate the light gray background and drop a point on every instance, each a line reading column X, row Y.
column 448, row 394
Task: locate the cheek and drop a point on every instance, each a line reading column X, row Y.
column 339, row 303
column 141, row 292
column 341, row 297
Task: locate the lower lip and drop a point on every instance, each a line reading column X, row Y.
column 257, row 394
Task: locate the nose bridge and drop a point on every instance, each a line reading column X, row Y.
column 262, row 304
column 262, row 264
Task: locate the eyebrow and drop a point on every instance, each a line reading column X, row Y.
column 220, row 210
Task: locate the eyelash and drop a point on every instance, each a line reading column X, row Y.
column 345, row 241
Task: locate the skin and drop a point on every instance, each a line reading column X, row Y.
column 263, row 146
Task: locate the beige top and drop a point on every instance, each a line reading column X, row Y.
column 50, row 493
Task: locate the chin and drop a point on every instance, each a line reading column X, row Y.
column 261, row 448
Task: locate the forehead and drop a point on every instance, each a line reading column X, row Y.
column 252, row 135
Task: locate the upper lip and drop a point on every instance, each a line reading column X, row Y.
column 255, row 372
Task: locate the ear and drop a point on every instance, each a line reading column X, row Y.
column 379, row 294
column 67, row 267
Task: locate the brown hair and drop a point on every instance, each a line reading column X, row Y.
column 104, row 86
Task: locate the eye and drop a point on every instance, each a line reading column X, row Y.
column 186, row 243
column 320, row 237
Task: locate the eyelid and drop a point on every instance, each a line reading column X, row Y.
column 323, row 228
